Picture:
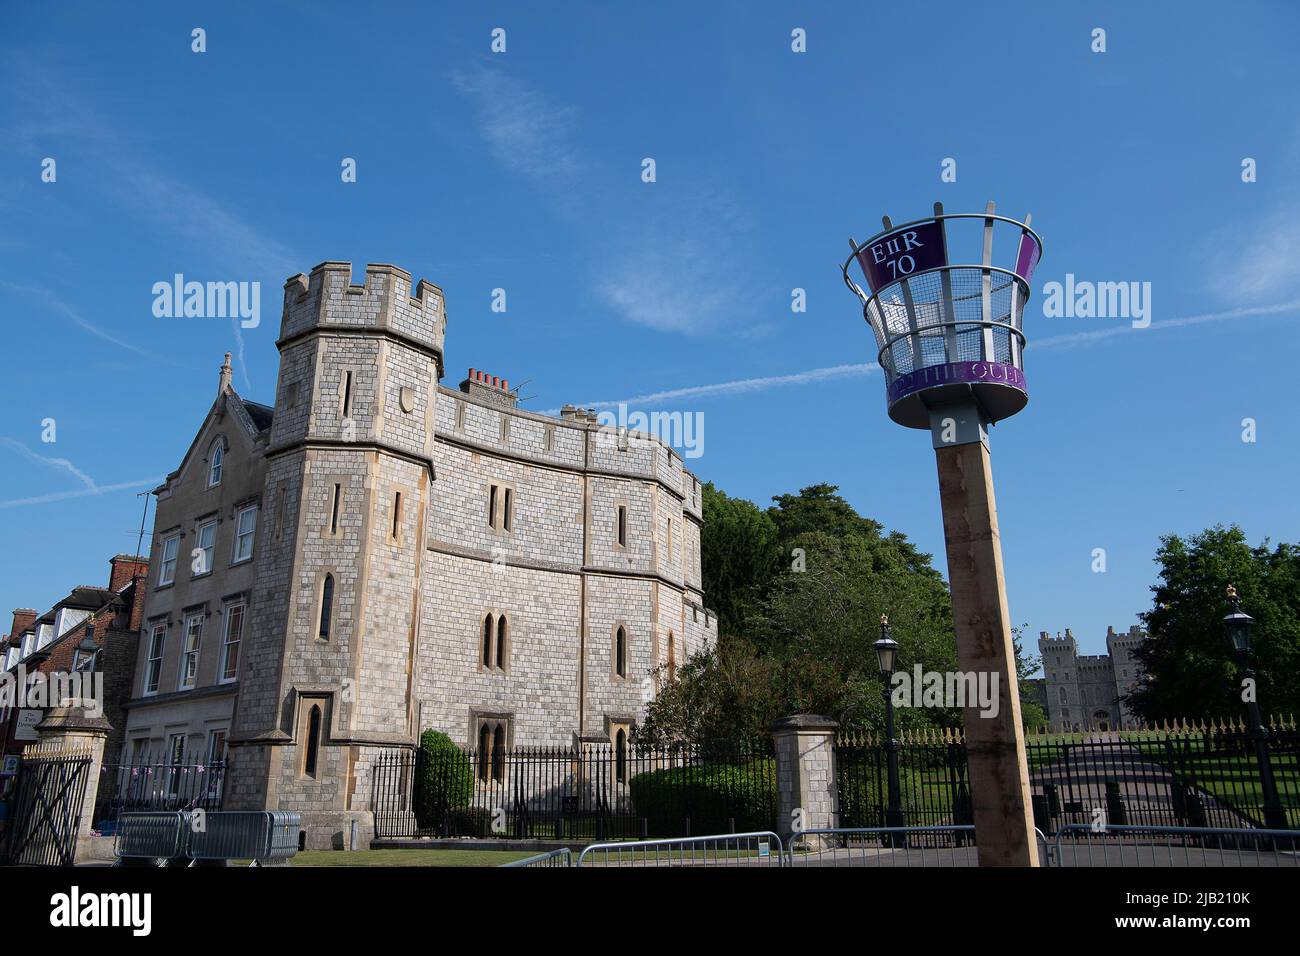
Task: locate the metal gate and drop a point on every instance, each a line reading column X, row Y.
column 47, row 808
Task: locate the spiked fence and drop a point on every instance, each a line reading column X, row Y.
column 580, row 793
column 1202, row 773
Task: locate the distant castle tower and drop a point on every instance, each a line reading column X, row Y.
column 1089, row 691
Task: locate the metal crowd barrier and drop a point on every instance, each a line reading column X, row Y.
column 207, row 837
column 928, row 846
column 757, row 848
column 147, row 838
column 1079, row 844
column 560, row 857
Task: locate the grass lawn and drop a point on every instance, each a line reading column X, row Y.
column 406, row 857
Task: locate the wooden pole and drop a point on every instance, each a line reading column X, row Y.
column 999, row 772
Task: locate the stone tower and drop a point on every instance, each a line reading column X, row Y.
column 330, row 658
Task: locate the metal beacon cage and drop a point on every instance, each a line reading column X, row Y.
column 950, row 333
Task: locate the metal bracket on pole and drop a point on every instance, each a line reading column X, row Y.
column 961, row 423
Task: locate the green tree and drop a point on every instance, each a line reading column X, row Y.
column 738, row 555
column 800, row 589
column 1190, row 668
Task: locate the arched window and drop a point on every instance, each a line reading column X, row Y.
column 326, row 606
column 672, row 657
column 1062, row 693
column 620, row 652
column 215, row 457
column 620, row 756
column 499, row 754
column 487, row 641
column 501, row 642
column 484, row 751
column 313, row 741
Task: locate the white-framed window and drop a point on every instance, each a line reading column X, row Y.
column 29, row 644
column 167, row 569
column 205, row 543
column 153, row 669
column 234, row 634
column 245, row 528
column 215, row 457
column 190, row 650
column 216, row 746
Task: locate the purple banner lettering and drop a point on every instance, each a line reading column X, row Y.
column 956, row 373
column 903, row 252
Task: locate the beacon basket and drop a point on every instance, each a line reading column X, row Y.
column 949, row 332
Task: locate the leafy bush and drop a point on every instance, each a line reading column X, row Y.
column 710, row 795
column 444, row 780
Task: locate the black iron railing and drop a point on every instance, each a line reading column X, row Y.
column 1189, row 777
column 127, row 788
column 581, row 793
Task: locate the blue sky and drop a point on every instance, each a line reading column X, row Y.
column 522, row 171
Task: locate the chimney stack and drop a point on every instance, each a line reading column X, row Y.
column 225, row 376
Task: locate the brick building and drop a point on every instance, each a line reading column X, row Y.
column 378, row 553
column 91, row 630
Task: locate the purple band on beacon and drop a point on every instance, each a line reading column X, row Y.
column 956, row 373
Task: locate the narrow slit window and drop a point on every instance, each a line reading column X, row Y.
column 313, row 741
column 484, row 751
column 347, row 394
column 620, row 652
column 499, row 754
column 326, row 606
column 397, row 513
column 501, row 642
column 505, row 511
column 334, row 511
column 492, row 506
column 622, row 526
column 487, row 641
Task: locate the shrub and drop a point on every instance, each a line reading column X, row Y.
column 712, row 796
column 444, row 780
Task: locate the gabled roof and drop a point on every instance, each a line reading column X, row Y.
column 254, row 420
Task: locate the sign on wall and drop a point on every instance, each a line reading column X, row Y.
column 25, row 728
column 903, row 252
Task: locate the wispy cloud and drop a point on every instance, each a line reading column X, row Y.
column 89, row 487
column 235, row 244
column 60, row 463
column 657, row 263
column 1076, row 339
column 737, row 386
column 832, row 372
column 526, row 131
column 79, row 493
column 1256, row 260
column 81, row 321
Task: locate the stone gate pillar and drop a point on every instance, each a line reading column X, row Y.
column 805, row 772
column 69, row 729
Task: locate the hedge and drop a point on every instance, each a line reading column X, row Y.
column 711, row 796
column 444, row 780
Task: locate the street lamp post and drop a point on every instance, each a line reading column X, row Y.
column 1237, row 625
column 886, row 656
